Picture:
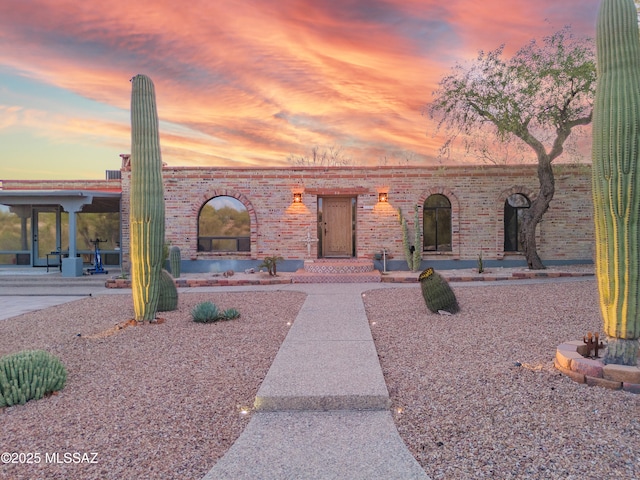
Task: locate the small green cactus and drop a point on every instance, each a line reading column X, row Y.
column 412, row 253
column 437, row 293
column 29, row 375
column 174, row 261
column 168, row 299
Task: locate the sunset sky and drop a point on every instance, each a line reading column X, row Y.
column 242, row 82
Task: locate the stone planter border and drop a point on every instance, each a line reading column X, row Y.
column 569, row 360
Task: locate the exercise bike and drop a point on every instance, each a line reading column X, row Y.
column 97, row 263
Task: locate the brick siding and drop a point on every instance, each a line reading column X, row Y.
column 278, row 226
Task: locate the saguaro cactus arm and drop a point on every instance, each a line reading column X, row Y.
column 146, row 213
column 616, row 179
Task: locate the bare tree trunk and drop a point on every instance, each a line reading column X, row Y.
column 533, row 215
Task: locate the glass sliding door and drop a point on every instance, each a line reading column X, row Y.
column 46, row 235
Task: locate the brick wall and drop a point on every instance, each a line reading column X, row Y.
column 110, row 185
column 278, row 226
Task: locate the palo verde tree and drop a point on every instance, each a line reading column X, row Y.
column 535, row 98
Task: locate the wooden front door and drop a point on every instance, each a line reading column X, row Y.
column 337, row 227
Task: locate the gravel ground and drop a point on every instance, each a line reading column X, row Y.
column 468, row 411
column 154, row 401
column 164, row 401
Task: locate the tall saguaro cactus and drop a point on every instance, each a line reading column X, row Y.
column 616, row 177
column 146, row 213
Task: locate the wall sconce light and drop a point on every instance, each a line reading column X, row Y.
column 297, row 198
column 383, row 197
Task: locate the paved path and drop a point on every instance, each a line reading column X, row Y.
column 12, row 306
column 322, row 411
column 34, row 289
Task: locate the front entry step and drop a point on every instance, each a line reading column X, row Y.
column 337, row 271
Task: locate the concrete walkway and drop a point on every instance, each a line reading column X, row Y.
column 12, row 307
column 28, row 290
column 322, row 411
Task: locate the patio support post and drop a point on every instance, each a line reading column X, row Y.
column 72, row 265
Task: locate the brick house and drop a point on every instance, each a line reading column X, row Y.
column 303, row 213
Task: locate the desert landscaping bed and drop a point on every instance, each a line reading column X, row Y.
column 476, row 395
column 155, row 401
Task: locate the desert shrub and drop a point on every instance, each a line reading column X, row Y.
column 29, row 375
column 205, row 312
column 230, row 314
column 437, row 293
column 271, row 264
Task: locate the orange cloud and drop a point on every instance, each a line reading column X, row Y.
column 249, row 82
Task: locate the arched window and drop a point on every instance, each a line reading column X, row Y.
column 514, row 208
column 437, row 224
column 224, row 226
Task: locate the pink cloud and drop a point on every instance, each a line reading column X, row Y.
column 253, row 81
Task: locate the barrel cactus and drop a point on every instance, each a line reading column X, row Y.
column 437, row 293
column 29, row 375
column 146, row 212
column 174, row 261
column 616, row 178
column 168, row 299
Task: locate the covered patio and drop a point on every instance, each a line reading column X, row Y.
column 40, row 228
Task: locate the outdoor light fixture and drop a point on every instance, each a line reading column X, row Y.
column 297, row 198
column 383, row 197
